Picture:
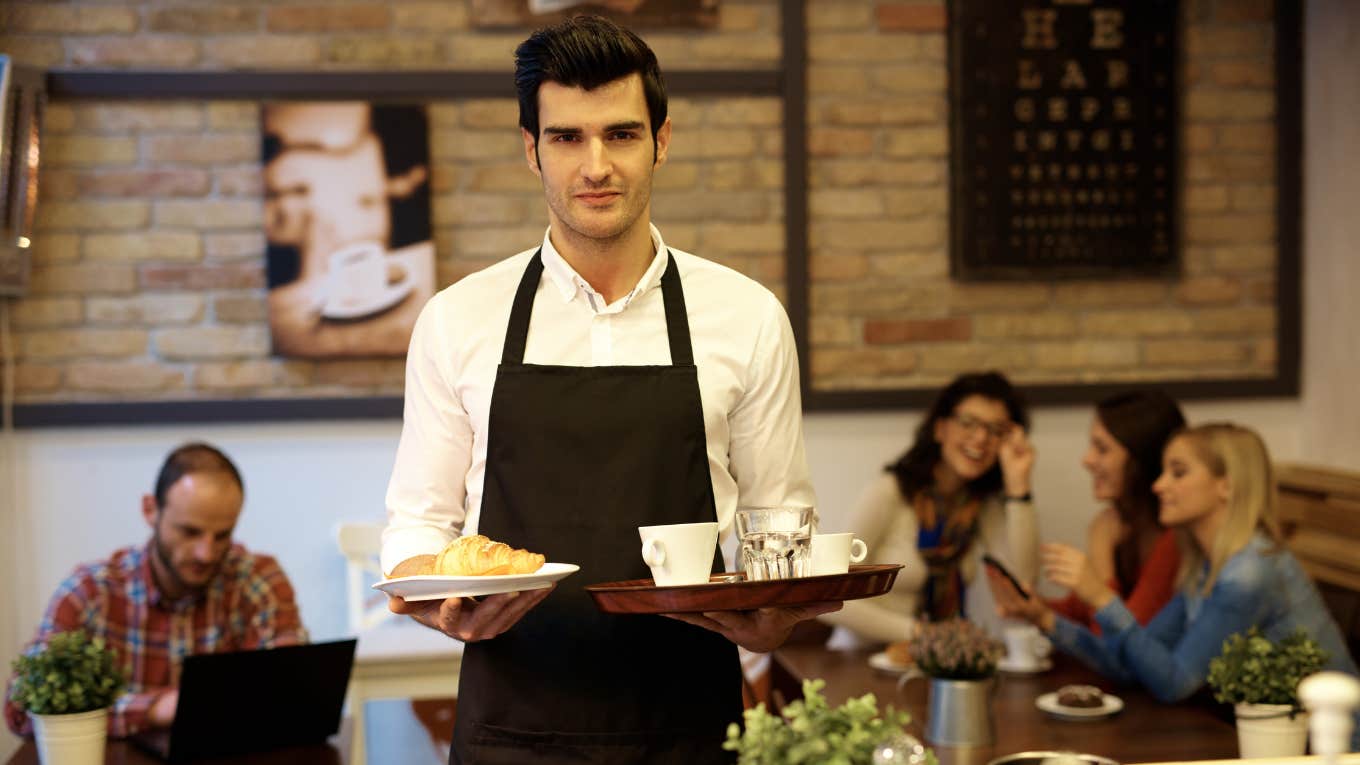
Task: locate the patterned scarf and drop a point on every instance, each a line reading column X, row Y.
column 946, row 528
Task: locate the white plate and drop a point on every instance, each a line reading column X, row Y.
column 1005, row 665
column 355, row 306
column 1048, row 702
column 881, row 661
column 439, row 587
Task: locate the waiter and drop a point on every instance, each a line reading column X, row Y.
column 562, row 398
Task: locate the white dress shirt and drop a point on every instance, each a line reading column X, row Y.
column 743, row 347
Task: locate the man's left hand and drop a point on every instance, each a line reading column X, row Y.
column 761, row 630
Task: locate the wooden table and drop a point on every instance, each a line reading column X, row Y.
column 1145, row 731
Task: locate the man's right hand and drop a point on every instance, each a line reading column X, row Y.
column 470, row 620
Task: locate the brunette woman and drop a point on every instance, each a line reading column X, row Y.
column 961, row 490
column 1126, row 546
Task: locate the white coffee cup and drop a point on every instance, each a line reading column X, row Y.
column 833, row 553
column 358, row 271
column 1026, row 647
column 679, row 553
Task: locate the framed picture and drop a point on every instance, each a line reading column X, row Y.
column 1064, row 139
column 349, row 255
column 22, row 98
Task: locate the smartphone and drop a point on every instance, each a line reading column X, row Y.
column 996, row 564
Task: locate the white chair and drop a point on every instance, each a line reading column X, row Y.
column 396, row 657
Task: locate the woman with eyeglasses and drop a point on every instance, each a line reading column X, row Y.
column 1126, row 547
column 1217, row 491
column 961, row 490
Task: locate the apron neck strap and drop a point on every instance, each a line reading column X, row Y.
column 672, row 295
column 677, row 318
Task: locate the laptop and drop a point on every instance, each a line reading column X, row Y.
column 253, row 701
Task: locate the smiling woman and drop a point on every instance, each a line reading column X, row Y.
column 961, row 491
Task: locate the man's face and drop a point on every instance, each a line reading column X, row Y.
column 192, row 532
column 595, row 156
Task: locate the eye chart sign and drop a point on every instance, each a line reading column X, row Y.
column 1063, row 131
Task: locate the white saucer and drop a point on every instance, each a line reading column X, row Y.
column 880, row 661
column 1005, row 665
column 415, row 588
column 356, row 306
column 1110, row 705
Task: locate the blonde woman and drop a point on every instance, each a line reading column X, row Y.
column 1218, row 491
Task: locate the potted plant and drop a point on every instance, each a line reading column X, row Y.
column 810, row 731
column 1261, row 679
column 67, row 687
column 960, row 660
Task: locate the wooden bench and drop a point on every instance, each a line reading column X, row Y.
column 1320, row 512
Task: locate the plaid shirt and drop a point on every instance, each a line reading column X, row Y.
column 248, row 605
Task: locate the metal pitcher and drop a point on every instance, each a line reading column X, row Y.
column 960, row 712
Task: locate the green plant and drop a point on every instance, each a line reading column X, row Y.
column 71, row 673
column 955, row 649
column 810, row 731
column 1253, row 670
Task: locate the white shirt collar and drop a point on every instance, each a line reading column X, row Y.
column 570, row 284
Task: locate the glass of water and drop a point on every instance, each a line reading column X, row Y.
column 776, row 542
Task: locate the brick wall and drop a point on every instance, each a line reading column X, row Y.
column 148, row 279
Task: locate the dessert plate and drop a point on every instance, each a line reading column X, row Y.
column 731, row 592
column 1110, row 705
column 430, row 587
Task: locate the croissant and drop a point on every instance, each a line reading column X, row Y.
column 477, row 555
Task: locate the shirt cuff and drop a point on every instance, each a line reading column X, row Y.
column 400, row 544
column 1115, row 617
column 131, row 713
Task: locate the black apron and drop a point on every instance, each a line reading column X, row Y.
column 577, row 459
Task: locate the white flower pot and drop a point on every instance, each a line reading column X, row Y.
column 1267, row 730
column 75, row 739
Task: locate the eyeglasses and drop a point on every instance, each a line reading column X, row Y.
column 970, row 425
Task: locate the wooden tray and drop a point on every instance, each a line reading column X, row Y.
column 642, row 596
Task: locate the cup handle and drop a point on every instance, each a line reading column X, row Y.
column 1042, row 646
column 858, row 551
column 911, row 674
column 653, row 552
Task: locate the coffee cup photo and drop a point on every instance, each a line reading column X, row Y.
column 679, row 553
column 358, row 272
column 833, row 553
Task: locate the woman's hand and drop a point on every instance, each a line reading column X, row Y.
column 1012, row 603
column 1017, row 457
column 1067, row 566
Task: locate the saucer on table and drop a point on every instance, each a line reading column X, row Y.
column 1042, row 665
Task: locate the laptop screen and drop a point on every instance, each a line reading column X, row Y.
column 252, row 701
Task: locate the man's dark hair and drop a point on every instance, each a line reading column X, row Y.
column 585, row 52
column 195, row 457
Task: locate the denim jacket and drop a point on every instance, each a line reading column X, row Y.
column 1170, row 656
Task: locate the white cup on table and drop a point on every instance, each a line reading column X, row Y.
column 1026, row 647
column 679, row 553
column 833, row 553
